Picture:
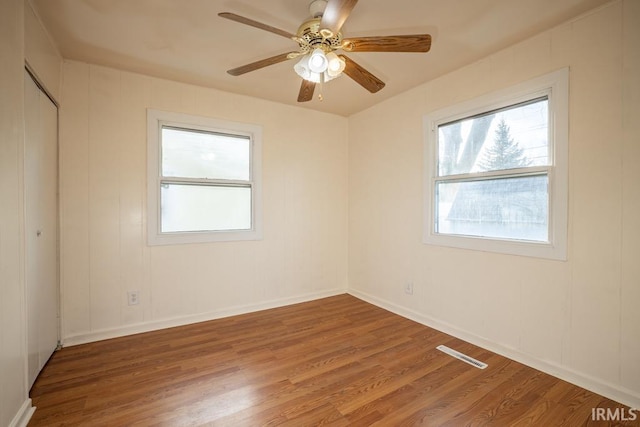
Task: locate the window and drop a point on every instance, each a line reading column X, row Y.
column 204, row 179
column 496, row 171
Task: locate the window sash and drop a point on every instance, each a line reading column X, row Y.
column 512, row 104
column 505, row 173
column 203, row 181
column 197, row 129
column 213, row 216
column 208, row 182
column 491, row 222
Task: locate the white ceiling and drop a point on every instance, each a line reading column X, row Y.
column 185, row 40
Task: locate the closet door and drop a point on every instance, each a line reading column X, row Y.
column 41, row 225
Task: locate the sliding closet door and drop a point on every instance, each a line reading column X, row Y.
column 41, row 225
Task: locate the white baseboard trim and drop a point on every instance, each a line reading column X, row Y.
column 611, row 391
column 23, row 416
column 155, row 325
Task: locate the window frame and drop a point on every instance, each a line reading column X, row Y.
column 156, row 120
column 555, row 86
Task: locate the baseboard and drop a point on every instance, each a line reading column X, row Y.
column 24, row 415
column 611, row 391
column 155, row 325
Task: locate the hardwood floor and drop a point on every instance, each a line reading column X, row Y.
column 337, row 361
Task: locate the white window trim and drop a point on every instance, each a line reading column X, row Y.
column 155, row 120
column 556, row 85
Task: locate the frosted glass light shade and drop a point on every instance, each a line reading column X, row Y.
column 331, row 65
column 335, row 66
column 302, row 68
column 318, row 61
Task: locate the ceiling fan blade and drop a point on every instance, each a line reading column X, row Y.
column 409, row 43
column 362, row 76
column 336, row 12
column 256, row 24
column 259, row 64
column 306, row 91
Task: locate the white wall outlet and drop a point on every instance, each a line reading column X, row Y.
column 408, row 288
column 133, row 297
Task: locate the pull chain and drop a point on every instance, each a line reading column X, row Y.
column 321, row 86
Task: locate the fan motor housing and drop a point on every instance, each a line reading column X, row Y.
column 310, row 37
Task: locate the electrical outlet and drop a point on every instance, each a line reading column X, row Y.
column 133, row 297
column 408, row 288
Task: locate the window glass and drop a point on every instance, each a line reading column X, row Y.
column 506, row 208
column 195, row 154
column 512, row 137
column 203, row 208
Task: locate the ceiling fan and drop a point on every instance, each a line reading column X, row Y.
column 319, row 37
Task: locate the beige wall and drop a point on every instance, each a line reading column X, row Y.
column 103, row 187
column 41, row 54
column 14, row 401
column 578, row 319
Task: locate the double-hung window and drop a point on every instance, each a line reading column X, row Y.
column 203, row 180
column 496, row 171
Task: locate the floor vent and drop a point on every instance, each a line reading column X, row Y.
column 467, row 359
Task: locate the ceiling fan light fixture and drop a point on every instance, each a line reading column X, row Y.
column 335, row 66
column 318, row 61
column 328, row 77
column 302, row 68
column 318, row 37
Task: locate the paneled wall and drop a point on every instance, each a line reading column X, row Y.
column 578, row 319
column 41, row 53
column 14, row 401
column 103, row 187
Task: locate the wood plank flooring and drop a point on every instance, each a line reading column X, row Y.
column 336, row 361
